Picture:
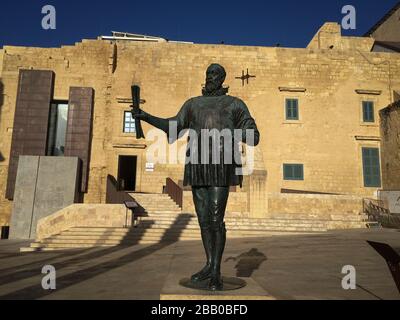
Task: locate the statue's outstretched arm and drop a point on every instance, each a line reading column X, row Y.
column 157, row 122
column 164, row 123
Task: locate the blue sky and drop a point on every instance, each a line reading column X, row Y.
column 247, row 22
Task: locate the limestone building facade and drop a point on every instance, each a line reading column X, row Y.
column 317, row 109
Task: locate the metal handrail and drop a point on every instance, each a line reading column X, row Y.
column 374, row 208
column 174, row 191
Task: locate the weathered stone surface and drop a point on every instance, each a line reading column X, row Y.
column 24, row 197
column 319, row 204
column 86, row 215
column 390, row 146
column 44, row 185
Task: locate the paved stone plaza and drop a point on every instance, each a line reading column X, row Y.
column 287, row 266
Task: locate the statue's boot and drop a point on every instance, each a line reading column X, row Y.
column 206, row 236
column 216, row 282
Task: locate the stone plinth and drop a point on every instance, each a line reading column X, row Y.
column 43, row 186
column 172, row 290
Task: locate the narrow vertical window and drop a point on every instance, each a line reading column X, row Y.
column 292, row 109
column 57, row 128
column 129, row 122
column 368, row 111
column 371, row 167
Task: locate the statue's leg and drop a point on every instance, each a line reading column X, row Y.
column 201, row 201
column 218, row 197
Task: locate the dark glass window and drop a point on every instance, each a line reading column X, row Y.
column 129, row 122
column 371, row 168
column 57, row 128
column 293, row 171
column 368, row 111
column 292, row 109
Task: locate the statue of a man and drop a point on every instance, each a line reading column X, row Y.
column 214, row 111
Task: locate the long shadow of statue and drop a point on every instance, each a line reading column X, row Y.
column 247, row 262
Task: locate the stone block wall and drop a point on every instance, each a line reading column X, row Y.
column 316, row 204
column 83, row 215
column 325, row 138
column 390, row 146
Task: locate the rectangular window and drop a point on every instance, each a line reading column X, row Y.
column 293, row 171
column 371, row 167
column 368, row 111
column 292, row 109
column 57, row 128
column 129, row 123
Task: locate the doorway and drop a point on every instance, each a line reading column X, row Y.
column 127, row 173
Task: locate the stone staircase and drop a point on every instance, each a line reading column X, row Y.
column 156, row 202
column 163, row 221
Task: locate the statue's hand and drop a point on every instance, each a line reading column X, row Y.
column 138, row 113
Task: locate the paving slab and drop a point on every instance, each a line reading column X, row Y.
column 285, row 266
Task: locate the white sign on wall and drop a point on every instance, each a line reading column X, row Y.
column 149, row 166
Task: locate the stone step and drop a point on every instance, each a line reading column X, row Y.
column 163, row 215
column 193, row 224
column 69, row 245
column 161, row 232
column 167, row 213
column 51, row 245
column 151, row 232
column 185, row 219
column 156, row 212
column 237, row 225
column 77, row 241
column 79, row 234
column 87, row 237
column 104, row 230
column 331, row 217
column 265, row 228
column 39, row 249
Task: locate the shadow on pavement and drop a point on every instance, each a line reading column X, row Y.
column 169, row 237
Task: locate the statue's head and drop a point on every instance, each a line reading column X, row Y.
column 215, row 77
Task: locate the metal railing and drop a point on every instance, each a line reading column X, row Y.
column 375, row 209
column 174, row 191
column 113, row 192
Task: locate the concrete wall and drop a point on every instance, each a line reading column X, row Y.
column 390, row 29
column 390, row 150
column 43, row 186
column 325, row 139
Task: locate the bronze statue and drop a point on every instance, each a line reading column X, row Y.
column 214, row 111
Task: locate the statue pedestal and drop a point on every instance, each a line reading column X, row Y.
column 173, row 290
column 230, row 283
